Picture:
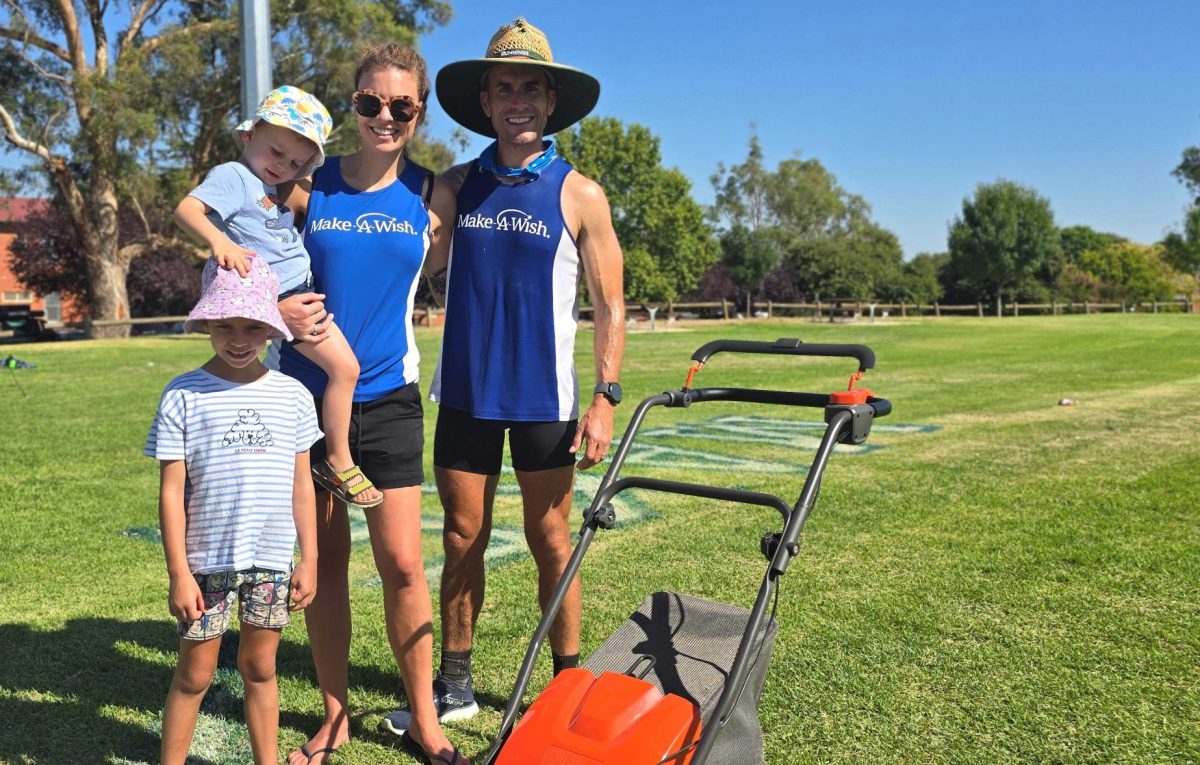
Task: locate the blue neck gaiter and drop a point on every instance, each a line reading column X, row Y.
column 488, row 164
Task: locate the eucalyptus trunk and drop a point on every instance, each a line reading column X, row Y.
column 107, row 264
column 94, row 215
column 107, row 293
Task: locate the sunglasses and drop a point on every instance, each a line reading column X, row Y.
column 369, row 104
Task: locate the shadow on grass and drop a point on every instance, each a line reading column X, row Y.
column 64, row 689
column 471, row 741
column 90, row 693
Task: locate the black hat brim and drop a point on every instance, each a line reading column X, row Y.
column 458, row 93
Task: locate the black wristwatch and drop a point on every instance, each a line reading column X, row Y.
column 610, row 390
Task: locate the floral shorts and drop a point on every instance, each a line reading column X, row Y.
column 262, row 600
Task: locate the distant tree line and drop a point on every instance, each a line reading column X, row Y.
column 793, row 233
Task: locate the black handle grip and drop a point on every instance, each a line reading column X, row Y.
column 752, row 396
column 788, row 346
column 882, row 406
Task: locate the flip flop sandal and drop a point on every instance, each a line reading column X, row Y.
column 329, row 750
column 411, row 744
column 342, row 485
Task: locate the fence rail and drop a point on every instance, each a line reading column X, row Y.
column 823, row 310
column 854, row 308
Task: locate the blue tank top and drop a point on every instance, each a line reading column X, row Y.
column 511, row 302
column 367, row 250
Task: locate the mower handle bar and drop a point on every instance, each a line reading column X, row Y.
column 794, row 517
column 882, row 406
column 788, row 346
column 692, row 490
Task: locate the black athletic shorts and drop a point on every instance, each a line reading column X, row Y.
column 464, row 442
column 387, row 437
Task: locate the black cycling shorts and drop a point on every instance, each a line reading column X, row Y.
column 472, row 445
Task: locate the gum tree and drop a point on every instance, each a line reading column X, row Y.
column 120, row 110
column 825, row 240
column 1183, row 247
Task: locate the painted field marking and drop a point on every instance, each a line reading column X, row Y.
column 682, row 446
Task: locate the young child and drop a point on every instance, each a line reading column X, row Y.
column 232, row 440
column 237, row 212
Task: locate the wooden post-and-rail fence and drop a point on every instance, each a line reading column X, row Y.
column 818, row 310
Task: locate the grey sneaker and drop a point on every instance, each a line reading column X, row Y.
column 453, row 703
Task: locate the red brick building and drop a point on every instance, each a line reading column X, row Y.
column 13, row 212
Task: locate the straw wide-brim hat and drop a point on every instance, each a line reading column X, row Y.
column 521, row 43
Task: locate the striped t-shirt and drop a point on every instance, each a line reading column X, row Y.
column 239, row 442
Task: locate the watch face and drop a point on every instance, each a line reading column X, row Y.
column 611, row 391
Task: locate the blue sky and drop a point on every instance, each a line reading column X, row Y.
column 909, row 104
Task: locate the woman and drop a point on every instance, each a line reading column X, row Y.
column 372, row 219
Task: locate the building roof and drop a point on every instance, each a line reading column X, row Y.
column 17, row 209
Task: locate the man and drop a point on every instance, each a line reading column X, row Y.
column 527, row 222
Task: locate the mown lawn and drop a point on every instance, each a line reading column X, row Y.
column 997, row 579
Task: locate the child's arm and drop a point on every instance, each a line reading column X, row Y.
column 185, row 600
column 191, row 215
column 304, row 515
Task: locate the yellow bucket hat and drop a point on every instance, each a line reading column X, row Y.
column 299, row 111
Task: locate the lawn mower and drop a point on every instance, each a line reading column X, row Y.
column 679, row 682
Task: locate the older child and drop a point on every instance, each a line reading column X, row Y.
column 237, row 212
column 232, row 440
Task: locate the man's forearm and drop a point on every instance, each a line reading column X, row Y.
column 609, row 342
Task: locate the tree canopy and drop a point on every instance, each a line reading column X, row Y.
column 1004, row 234
column 666, row 242
column 123, row 110
column 1188, row 171
column 1076, row 240
column 1182, row 248
column 1128, row 272
column 749, row 254
column 825, row 237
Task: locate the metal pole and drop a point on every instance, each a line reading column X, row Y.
column 255, row 20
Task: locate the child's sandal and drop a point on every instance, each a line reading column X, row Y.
column 342, row 485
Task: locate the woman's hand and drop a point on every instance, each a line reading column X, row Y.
column 306, row 317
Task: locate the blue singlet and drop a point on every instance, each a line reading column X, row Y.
column 511, row 302
column 367, row 251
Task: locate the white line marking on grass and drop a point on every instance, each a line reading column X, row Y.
column 679, row 446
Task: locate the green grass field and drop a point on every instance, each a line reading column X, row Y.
column 997, row 579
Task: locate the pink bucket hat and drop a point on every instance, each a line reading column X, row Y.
column 227, row 295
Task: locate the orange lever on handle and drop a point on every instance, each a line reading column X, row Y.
column 851, row 395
